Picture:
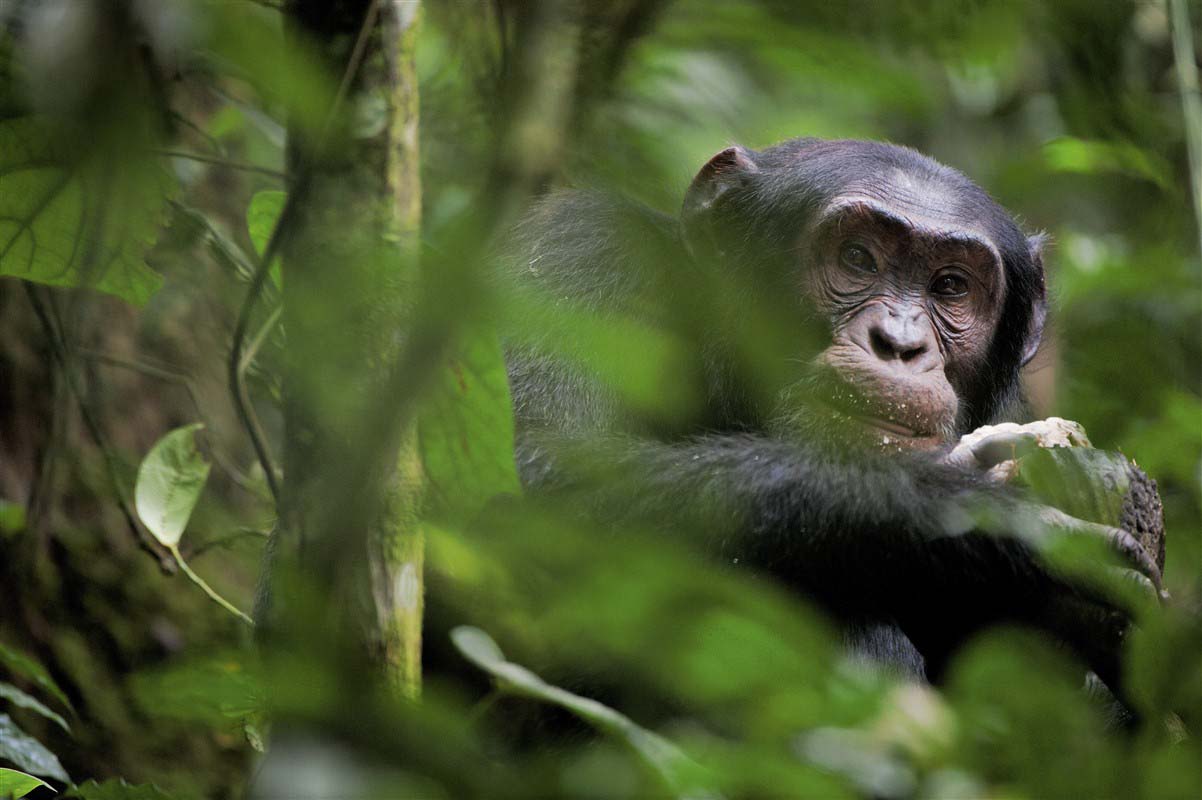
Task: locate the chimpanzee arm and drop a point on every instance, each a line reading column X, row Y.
column 852, row 532
column 884, row 539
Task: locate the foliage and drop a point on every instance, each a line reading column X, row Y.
column 72, row 221
column 170, row 480
column 28, row 753
column 158, row 180
column 17, row 784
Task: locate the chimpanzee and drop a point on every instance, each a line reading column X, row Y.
column 849, row 309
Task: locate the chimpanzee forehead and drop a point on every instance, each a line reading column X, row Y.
column 926, row 216
column 923, row 201
column 896, row 179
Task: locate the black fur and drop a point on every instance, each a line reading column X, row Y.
column 881, row 542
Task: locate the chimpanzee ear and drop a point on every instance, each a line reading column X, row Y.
column 726, row 170
column 1039, row 305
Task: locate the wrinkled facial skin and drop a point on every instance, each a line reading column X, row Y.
column 914, row 301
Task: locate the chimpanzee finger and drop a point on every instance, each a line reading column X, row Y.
column 1129, row 547
column 1117, row 539
column 1141, row 582
column 992, row 445
column 1005, row 446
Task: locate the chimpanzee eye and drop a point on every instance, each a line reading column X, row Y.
column 950, row 284
column 857, row 257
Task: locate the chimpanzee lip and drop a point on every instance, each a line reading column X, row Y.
column 852, row 405
column 870, row 420
column 889, row 426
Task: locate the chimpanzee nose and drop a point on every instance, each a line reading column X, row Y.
column 904, row 339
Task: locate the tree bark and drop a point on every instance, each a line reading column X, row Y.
column 350, row 273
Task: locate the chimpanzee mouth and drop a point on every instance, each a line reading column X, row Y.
column 825, row 405
column 846, row 403
column 889, row 426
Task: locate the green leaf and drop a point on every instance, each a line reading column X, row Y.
column 218, row 690
column 261, row 217
column 1068, row 154
column 466, row 431
column 12, row 518
column 170, row 480
column 1080, row 481
column 683, row 777
column 17, row 784
column 23, row 700
column 478, row 647
column 26, row 752
column 116, row 790
column 20, row 664
column 67, row 220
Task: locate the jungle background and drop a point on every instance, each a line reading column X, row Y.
column 157, row 157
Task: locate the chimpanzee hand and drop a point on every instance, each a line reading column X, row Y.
column 995, row 449
column 1095, row 621
column 1141, row 566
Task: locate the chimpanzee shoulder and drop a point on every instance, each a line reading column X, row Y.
column 593, row 248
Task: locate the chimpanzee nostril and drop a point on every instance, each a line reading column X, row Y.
column 912, row 353
column 889, row 347
column 882, row 348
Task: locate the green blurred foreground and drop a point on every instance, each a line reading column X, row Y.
column 143, row 170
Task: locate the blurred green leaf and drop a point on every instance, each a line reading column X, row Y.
column 24, row 666
column 170, row 480
column 221, row 690
column 247, row 40
column 1169, row 445
column 26, row 752
column 466, row 431
column 1026, row 721
column 1068, row 154
column 1165, row 664
column 679, row 772
column 21, row 699
column 261, row 218
column 17, row 784
column 12, row 518
column 67, row 219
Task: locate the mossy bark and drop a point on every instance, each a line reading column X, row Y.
column 350, row 274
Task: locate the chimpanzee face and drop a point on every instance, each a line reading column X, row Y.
column 933, row 296
column 913, row 302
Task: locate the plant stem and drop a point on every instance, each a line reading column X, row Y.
column 1191, row 100
column 199, row 581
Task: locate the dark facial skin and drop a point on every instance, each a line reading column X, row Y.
column 913, row 303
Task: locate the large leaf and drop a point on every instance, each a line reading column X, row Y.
column 20, row 664
column 218, row 689
column 17, row 784
column 26, row 752
column 77, row 219
column 466, row 431
column 1080, row 481
column 170, row 480
column 22, row 700
column 116, row 790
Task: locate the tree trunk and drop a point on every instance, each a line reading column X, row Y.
column 350, row 272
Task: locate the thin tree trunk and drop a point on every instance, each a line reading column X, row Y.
column 350, row 273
